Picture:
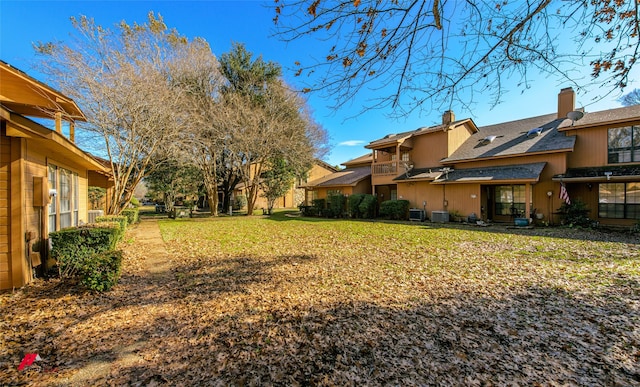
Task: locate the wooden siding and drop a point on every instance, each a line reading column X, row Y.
column 20, row 269
column 429, row 149
column 5, row 159
column 590, row 149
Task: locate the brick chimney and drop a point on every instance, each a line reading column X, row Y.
column 566, row 102
column 448, row 117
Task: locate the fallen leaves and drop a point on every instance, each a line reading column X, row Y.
column 298, row 302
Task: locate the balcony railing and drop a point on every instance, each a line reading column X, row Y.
column 387, row 168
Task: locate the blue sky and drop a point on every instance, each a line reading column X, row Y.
column 250, row 22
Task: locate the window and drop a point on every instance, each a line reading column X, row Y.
column 510, row 200
column 53, row 205
column 64, row 207
column 404, row 156
column 394, row 194
column 619, row 200
column 623, row 144
column 65, row 198
column 331, row 192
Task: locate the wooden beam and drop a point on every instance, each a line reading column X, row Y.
column 72, row 131
column 20, row 269
column 59, row 122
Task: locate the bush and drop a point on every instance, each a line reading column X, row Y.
column 131, row 214
column 395, row 209
column 71, row 247
column 575, row 214
column 354, row 205
column 335, row 205
column 319, row 206
column 368, row 206
column 239, row 202
column 134, row 202
column 120, row 219
column 100, row 271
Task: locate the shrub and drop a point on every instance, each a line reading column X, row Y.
column 239, row 202
column 72, row 246
column 319, row 206
column 120, row 219
column 368, row 206
column 575, row 214
column 335, row 205
column 131, row 214
column 354, row 205
column 395, row 209
column 100, row 271
column 134, row 202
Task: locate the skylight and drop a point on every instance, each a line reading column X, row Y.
column 534, row 132
column 488, row 140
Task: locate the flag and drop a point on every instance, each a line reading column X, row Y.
column 564, row 195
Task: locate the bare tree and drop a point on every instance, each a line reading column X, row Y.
column 198, row 80
column 631, row 98
column 421, row 54
column 120, row 79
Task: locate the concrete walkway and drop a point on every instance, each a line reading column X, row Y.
column 148, row 239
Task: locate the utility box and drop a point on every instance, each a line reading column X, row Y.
column 417, row 215
column 440, row 216
column 40, row 191
column 93, row 214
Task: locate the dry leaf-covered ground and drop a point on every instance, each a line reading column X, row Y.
column 287, row 301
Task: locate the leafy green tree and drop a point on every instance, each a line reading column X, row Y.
column 173, row 180
column 276, row 180
column 262, row 119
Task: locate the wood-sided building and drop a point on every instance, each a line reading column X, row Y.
column 44, row 176
column 355, row 178
column 517, row 168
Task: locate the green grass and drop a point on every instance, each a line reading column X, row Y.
column 401, row 253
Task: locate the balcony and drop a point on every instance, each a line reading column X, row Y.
column 389, row 168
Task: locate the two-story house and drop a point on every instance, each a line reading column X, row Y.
column 516, row 169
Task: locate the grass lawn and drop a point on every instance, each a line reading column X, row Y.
column 295, row 301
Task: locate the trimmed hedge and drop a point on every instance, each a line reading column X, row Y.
column 131, row 214
column 319, row 206
column 335, row 205
column 395, row 209
column 120, row 219
column 72, row 246
column 354, row 205
column 101, row 271
column 367, row 206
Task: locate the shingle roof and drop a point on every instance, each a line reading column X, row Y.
column 345, row 177
column 599, row 172
column 368, row 158
column 628, row 113
column 530, row 172
column 511, row 139
column 394, row 138
column 420, row 174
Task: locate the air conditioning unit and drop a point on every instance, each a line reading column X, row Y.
column 416, row 214
column 93, row 214
column 440, row 216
